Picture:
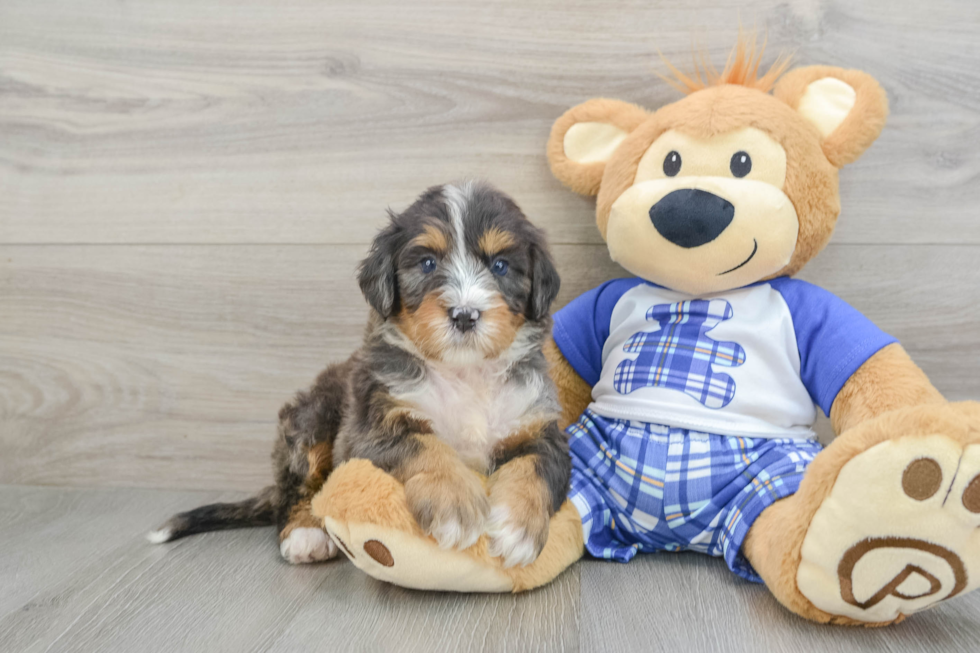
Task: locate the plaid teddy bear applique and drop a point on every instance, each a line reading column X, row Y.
column 680, row 355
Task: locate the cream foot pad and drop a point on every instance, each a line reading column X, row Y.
column 899, row 532
column 412, row 561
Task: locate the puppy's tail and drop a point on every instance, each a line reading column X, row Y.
column 256, row 511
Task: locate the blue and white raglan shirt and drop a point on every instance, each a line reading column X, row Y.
column 750, row 362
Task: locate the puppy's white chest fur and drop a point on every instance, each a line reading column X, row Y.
column 472, row 407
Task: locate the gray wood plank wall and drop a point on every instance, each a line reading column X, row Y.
column 185, row 190
column 186, row 187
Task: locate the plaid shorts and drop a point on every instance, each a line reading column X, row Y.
column 645, row 487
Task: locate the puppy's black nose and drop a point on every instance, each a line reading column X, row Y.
column 464, row 318
column 690, row 217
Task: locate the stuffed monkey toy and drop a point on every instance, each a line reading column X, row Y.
column 690, row 388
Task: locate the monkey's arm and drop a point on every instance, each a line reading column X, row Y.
column 573, row 392
column 887, row 381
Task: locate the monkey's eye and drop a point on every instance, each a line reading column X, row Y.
column 500, row 267
column 741, row 164
column 428, row 264
column 672, row 164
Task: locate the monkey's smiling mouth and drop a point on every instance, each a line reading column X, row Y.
column 755, row 248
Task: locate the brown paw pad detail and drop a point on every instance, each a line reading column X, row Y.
column 922, row 478
column 971, row 495
column 845, row 570
column 379, row 552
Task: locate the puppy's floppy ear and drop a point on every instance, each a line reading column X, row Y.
column 545, row 281
column 585, row 137
column 378, row 274
column 848, row 108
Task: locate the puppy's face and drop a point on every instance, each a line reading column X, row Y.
column 460, row 273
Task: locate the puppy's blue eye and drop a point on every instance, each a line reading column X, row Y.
column 500, row 267
column 428, row 264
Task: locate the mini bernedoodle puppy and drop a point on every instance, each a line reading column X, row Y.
column 451, row 380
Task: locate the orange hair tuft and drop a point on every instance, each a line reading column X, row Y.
column 742, row 69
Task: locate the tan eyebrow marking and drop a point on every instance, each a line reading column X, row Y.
column 495, row 240
column 433, row 238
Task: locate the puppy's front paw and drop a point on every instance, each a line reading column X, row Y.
column 520, row 515
column 450, row 506
column 517, row 537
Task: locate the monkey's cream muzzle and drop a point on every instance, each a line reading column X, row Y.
column 701, row 235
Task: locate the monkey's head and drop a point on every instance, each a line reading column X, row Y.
column 728, row 186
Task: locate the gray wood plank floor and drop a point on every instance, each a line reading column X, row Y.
column 185, row 190
column 78, row 576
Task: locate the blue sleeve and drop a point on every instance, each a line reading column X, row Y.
column 833, row 337
column 582, row 327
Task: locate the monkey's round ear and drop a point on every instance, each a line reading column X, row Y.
column 584, row 138
column 848, row 108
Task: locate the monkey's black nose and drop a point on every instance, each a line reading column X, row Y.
column 690, row 217
column 464, row 318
